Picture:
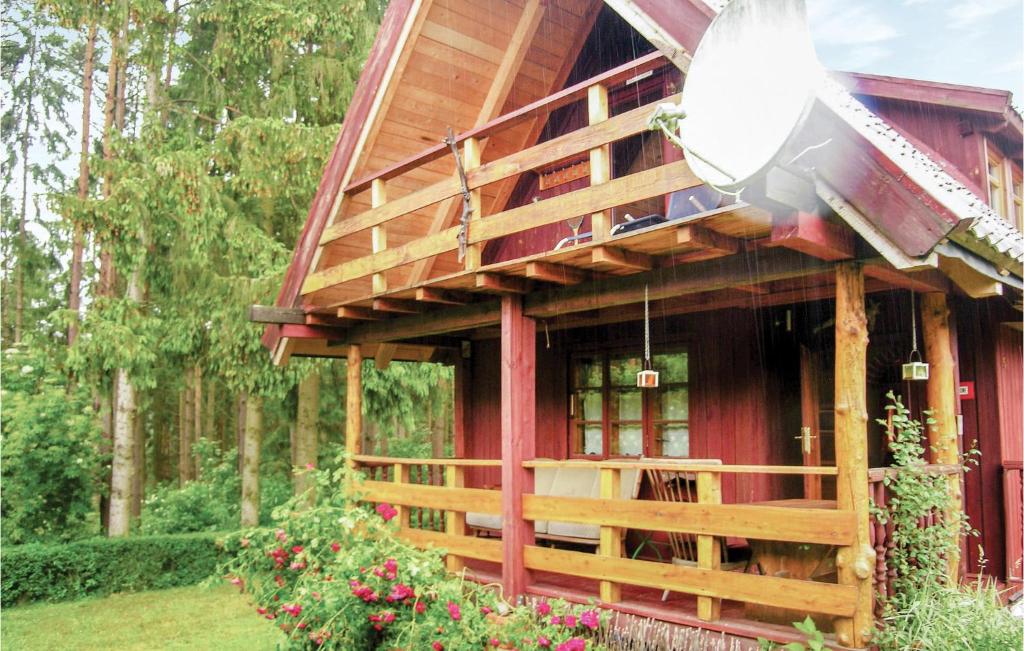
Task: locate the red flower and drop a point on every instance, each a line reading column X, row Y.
column 453, row 611
column 421, row 607
column 437, row 646
column 590, row 619
column 391, row 565
column 335, row 547
column 386, row 511
column 281, row 535
column 485, row 610
column 543, row 608
column 297, row 549
column 543, row 641
column 261, row 610
column 279, row 581
column 572, row 644
column 555, row 620
column 570, row 621
column 495, row 641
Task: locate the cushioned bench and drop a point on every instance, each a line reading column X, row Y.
column 565, row 482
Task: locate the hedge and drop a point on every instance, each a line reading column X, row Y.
column 102, row 566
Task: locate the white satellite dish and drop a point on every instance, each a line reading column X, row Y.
column 751, row 85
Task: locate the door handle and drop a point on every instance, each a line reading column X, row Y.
column 805, row 439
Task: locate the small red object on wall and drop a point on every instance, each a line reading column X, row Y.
column 966, row 391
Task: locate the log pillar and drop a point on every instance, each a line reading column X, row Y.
column 856, row 563
column 354, row 403
column 943, row 435
column 518, row 438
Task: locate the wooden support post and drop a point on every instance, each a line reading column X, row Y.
column 454, row 521
column 354, row 403
column 600, row 160
column 610, row 543
column 379, row 234
column 518, row 439
column 943, row 437
column 471, row 152
column 400, row 475
column 709, row 548
column 856, row 563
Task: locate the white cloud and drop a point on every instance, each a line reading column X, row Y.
column 966, row 13
column 836, row 22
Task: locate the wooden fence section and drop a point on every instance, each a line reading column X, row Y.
column 708, row 520
column 432, row 513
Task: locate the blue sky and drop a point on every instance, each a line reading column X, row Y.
column 972, row 42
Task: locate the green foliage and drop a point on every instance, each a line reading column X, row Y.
column 100, row 566
column 919, row 553
column 48, row 456
column 336, row 576
column 210, row 503
column 939, row 617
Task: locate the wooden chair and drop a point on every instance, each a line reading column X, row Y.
column 673, row 486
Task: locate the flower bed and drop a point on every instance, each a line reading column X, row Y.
column 335, row 576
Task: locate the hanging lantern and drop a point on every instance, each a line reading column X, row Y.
column 914, row 369
column 647, row 378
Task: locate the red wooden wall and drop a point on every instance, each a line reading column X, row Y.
column 738, row 397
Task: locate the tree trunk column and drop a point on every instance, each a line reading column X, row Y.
column 856, row 563
column 354, row 403
column 943, row 435
column 306, row 434
column 518, row 438
column 251, row 461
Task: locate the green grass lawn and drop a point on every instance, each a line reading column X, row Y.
column 179, row 618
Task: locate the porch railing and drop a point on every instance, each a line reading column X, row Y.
column 708, row 519
column 881, row 533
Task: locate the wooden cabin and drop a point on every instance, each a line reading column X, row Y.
column 573, row 242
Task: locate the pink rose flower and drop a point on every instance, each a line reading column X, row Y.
column 543, row 608
column 495, row 641
column 555, row 620
column 453, row 611
column 570, row 621
column 437, row 646
column 335, row 547
column 386, row 511
column 281, row 535
column 572, row 644
column 297, row 549
column 543, row 641
column 420, row 607
column 590, row 619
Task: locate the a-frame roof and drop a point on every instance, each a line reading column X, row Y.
column 459, row 64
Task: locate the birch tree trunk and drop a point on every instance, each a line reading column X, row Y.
column 306, row 432
column 78, row 243
column 251, row 461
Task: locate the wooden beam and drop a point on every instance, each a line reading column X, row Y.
column 396, row 306
column 272, row 314
column 439, row 296
column 813, row 235
column 709, row 548
column 605, row 258
column 515, row 52
column 518, row 439
column 356, row 313
column 354, row 403
column 698, row 277
column 856, row 562
column 559, row 274
column 501, row 284
column 943, row 435
column 610, row 542
column 384, row 354
column 930, row 280
column 810, row 418
column 472, row 153
column 437, row 322
column 695, row 243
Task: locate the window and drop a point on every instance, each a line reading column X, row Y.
column 1004, row 187
column 611, row 417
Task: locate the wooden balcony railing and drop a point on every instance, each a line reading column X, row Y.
column 603, row 194
column 708, row 519
column 1013, row 500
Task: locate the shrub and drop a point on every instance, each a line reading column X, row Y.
column 210, row 503
column 335, row 576
column 48, row 459
column 100, row 566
